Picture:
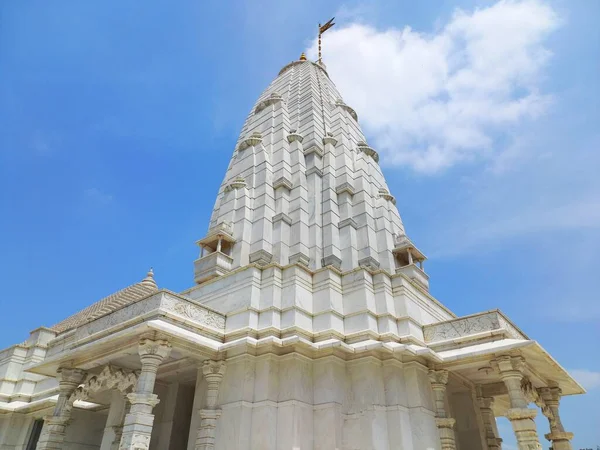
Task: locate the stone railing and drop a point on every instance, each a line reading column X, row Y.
column 490, row 322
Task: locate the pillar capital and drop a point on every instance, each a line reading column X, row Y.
column 509, row 366
column 438, row 377
column 485, row 402
column 159, row 348
column 143, row 399
column 68, row 379
column 210, row 367
column 550, row 395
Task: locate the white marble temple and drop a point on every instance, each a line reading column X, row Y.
column 309, row 324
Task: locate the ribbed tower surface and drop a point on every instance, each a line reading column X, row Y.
column 303, row 185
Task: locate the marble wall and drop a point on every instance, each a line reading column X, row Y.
column 292, row 402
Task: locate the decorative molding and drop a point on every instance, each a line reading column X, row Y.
column 261, row 257
column 349, row 221
column 283, row 217
column 314, row 169
column 314, row 149
column 369, row 262
column 299, row 258
column 345, row 187
column 331, row 260
column 283, row 182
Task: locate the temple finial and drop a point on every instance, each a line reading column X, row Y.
column 302, row 57
column 149, row 280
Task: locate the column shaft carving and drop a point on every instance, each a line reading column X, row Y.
column 561, row 439
column 137, row 426
column 213, row 372
column 445, row 424
column 492, row 436
column 55, row 426
column 521, row 417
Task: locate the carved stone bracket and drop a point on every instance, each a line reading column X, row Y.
column 109, row 378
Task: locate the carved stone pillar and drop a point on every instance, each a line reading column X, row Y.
column 137, row 427
column 561, row 439
column 521, row 417
column 489, row 421
column 53, row 433
column 213, row 372
column 445, row 424
column 118, row 429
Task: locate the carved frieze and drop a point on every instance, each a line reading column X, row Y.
column 466, row 326
column 194, row 312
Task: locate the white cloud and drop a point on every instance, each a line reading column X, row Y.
column 587, row 378
column 431, row 101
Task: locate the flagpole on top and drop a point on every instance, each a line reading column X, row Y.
column 323, row 29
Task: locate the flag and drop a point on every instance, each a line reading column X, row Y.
column 327, row 26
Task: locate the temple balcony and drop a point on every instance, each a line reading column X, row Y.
column 409, row 260
column 215, row 253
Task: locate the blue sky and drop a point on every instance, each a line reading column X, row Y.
column 118, row 119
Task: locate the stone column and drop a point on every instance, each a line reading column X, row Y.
column 137, row 427
column 561, row 439
column 445, row 424
column 489, row 421
column 114, row 421
column 510, row 369
column 118, row 429
column 53, row 433
column 213, row 372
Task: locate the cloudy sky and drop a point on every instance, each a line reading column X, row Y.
column 118, row 119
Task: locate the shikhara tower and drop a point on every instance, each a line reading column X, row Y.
column 310, row 325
